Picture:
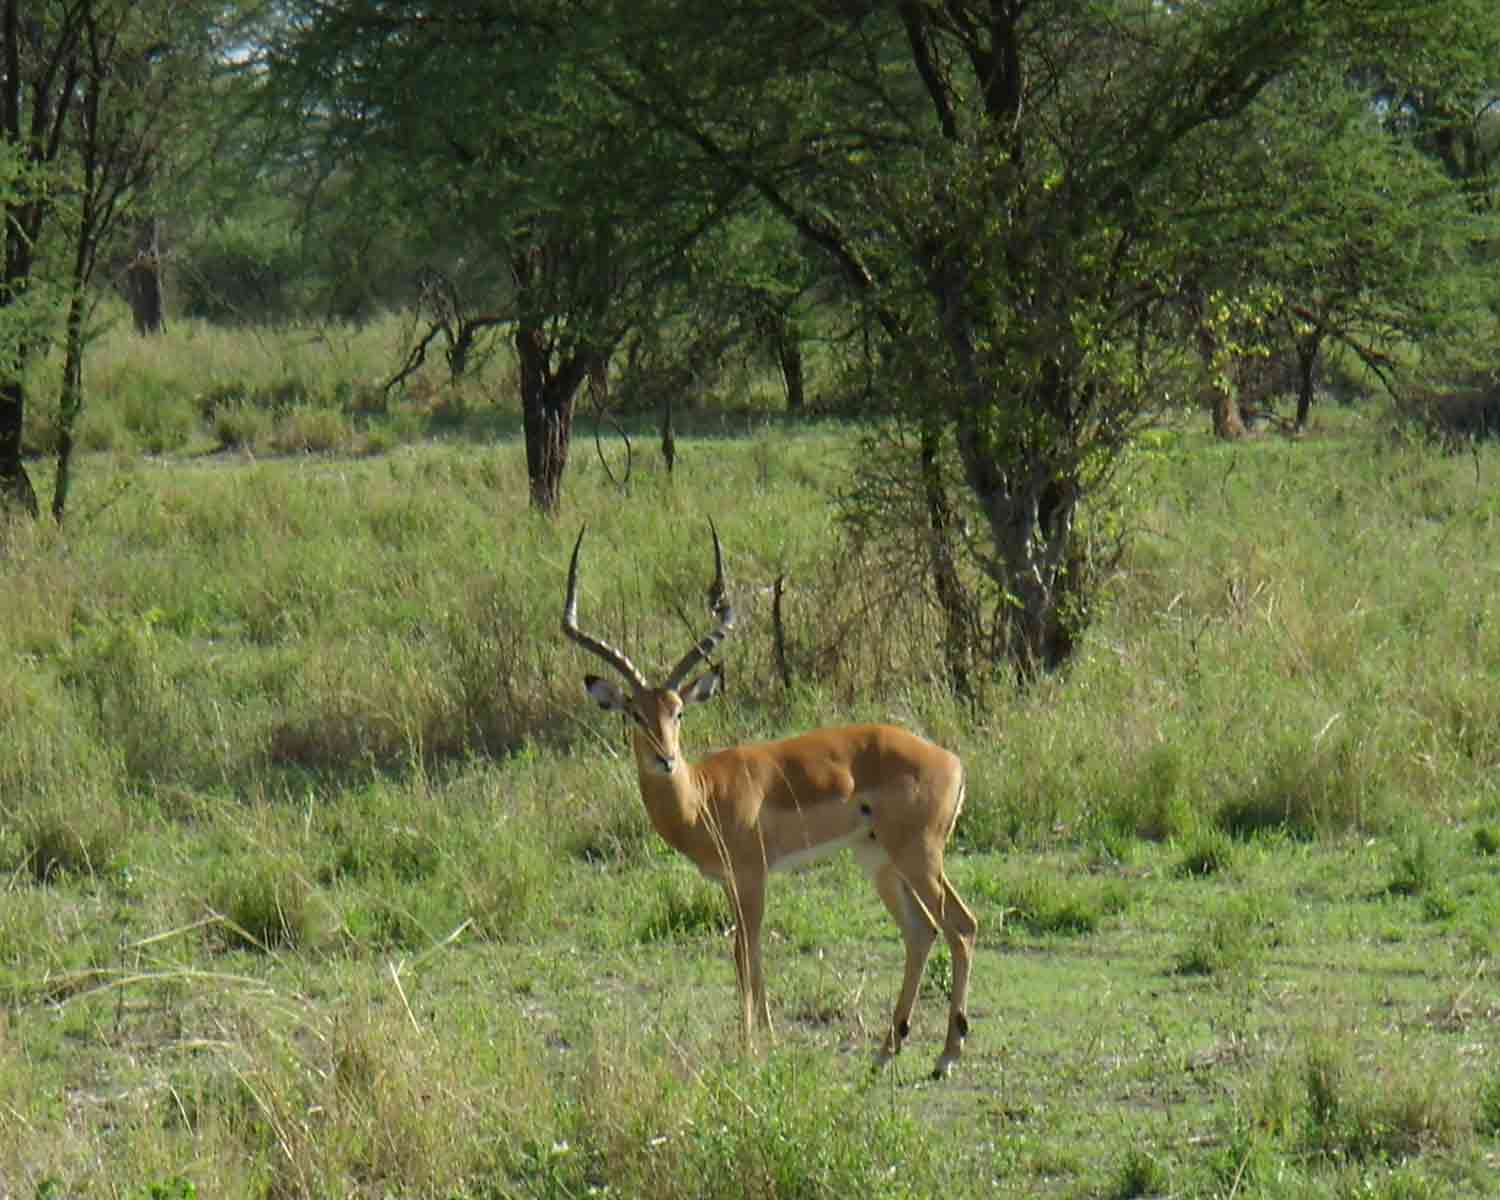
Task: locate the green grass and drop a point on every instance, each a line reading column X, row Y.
column 321, row 876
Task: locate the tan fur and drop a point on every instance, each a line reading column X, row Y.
column 740, row 813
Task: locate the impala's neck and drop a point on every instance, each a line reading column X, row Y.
column 674, row 801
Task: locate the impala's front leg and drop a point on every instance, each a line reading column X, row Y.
column 747, row 900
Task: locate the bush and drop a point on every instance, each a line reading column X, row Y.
column 1470, row 409
column 685, row 906
column 265, row 903
column 1231, row 942
column 240, row 272
column 311, row 431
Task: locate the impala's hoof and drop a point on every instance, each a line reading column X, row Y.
column 945, row 1066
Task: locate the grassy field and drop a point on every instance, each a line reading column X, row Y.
column 322, row 877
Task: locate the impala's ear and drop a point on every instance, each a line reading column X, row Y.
column 704, row 687
column 605, row 694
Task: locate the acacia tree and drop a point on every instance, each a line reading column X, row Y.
column 136, row 61
column 467, row 124
column 1381, row 254
column 1003, row 186
column 39, row 74
column 1368, row 246
column 90, row 106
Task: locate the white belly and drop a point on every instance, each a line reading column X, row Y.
column 866, row 850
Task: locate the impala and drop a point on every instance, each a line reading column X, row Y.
column 739, row 814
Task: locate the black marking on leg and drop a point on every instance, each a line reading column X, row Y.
column 903, row 1031
column 872, row 835
column 961, row 1023
column 865, row 809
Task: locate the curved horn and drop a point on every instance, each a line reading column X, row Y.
column 592, row 644
column 723, row 612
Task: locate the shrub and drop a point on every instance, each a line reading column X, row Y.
column 684, row 906
column 265, row 904
column 1230, row 943
column 1418, row 866
column 1140, row 1174
column 1352, row 1117
column 1210, row 853
column 311, row 431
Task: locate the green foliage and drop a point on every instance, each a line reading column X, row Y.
column 1418, row 867
column 1488, row 1120
column 79, row 835
column 264, row 903
column 176, row 1188
column 745, row 1129
column 1141, row 1174
column 1043, row 905
column 1302, row 793
column 1209, row 854
column 244, row 269
column 1232, row 942
column 684, row 907
column 1353, row 1117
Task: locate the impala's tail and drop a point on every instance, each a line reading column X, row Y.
column 958, row 805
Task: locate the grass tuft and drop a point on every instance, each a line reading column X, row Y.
column 1231, row 942
column 1418, row 867
column 684, row 906
column 1141, row 1174
column 1211, row 853
column 264, row 903
column 1354, row 1116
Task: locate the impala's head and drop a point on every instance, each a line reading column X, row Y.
column 655, row 712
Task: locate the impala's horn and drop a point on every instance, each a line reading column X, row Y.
column 597, row 646
column 723, row 613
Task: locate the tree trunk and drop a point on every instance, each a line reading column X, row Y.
column 1033, row 528
column 1228, row 424
column 143, row 284
column 15, row 484
column 548, row 399
column 1218, row 390
column 1026, row 484
column 548, row 427
column 668, row 432
column 789, row 358
column 958, row 626
column 70, row 400
column 1307, row 361
column 31, row 105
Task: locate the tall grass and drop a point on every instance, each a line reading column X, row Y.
column 322, row 878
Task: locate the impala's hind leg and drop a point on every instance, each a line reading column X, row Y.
column 918, row 932
column 930, row 896
column 961, row 930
